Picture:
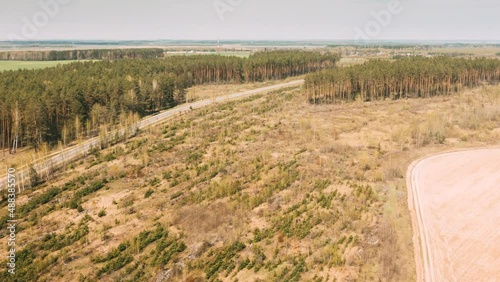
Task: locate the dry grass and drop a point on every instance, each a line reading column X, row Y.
column 210, row 91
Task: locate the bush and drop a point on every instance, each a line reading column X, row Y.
column 223, row 259
column 116, row 264
column 102, row 213
column 148, row 193
column 176, row 195
column 155, row 181
column 167, row 175
column 34, row 177
column 38, row 201
column 115, row 252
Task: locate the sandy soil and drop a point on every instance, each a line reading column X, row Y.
column 455, row 200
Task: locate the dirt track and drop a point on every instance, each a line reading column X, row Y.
column 455, row 202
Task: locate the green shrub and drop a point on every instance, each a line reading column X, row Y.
column 155, row 181
column 115, row 265
column 167, row 175
column 149, row 193
column 80, row 208
column 115, row 252
column 37, row 201
column 102, row 213
column 222, row 260
column 176, row 195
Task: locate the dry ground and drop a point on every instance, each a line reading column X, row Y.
column 457, row 201
column 269, row 188
column 208, row 91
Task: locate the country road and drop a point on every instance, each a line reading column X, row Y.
column 77, row 151
column 454, row 199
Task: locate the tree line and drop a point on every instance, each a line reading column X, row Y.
column 96, row 54
column 77, row 100
column 403, row 78
column 282, row 63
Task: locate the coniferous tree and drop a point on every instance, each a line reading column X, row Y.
column 59, row 103
column 403, row 78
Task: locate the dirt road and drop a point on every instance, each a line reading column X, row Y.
column 455, row 202
column 77, row 151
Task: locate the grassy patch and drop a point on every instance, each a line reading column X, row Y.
column 15, row 65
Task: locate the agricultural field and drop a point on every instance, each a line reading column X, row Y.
column 457, row 201
column 16, row 65
column 268, row 188
column 470, row 51
column 230, row 53
column 360, row 52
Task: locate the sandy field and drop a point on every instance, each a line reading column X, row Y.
column 455, row 200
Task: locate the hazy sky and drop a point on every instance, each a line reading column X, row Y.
column 250, row 19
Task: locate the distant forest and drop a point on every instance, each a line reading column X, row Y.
column 403, row 78
column 96, row 54
column 68, row 102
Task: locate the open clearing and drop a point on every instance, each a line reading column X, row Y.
column 456, row 199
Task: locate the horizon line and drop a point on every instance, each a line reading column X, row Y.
column 257, row 40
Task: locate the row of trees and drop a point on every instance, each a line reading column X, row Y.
column 71, row 101
column 282, row 63
column 96, row 54
column 403, row 78
column 200, row 69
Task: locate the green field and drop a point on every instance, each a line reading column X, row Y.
column 15, row 65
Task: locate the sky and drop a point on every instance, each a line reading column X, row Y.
column 250, row 19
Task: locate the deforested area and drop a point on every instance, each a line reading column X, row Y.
column 249, row 141
column 268, row 188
